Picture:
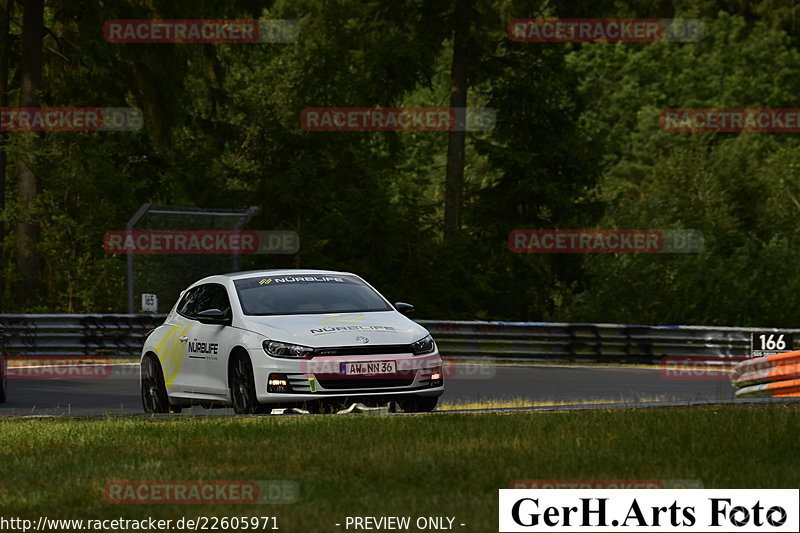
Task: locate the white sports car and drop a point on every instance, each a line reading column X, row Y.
column 281, row 338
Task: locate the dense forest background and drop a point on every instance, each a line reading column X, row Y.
column 577, row 144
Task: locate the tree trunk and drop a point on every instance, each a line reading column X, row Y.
column 5, row 54
column 454, row 183
column 27, row 186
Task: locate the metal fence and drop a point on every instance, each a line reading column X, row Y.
column 122, row 335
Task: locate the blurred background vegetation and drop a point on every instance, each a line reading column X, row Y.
column 577, row 144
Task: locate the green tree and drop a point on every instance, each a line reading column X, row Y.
column 734, row 187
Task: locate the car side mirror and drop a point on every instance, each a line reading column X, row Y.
column 213, row 316
column 404, row 308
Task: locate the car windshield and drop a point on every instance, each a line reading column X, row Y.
column 307, row 294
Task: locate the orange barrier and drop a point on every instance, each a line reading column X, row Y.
column 773, row 376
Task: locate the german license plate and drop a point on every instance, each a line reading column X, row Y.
column 367, row 368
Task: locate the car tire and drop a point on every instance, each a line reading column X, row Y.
column 243, row 386
column 154, row 391
column 418, row 404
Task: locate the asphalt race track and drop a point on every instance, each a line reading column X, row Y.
column 117, row 392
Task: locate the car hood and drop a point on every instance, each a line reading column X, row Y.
column 337, row 329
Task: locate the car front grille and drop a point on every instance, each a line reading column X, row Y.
column 385, row 349
column 365, row 383
column 300, row 383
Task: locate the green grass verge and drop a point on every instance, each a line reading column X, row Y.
column 527, row 402
column 442, row 465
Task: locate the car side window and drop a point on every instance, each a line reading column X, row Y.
column 187, row 305
column 213, row 296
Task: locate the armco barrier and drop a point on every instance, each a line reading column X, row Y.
column 101, row 335
column 122, row 335
column 593, row 342
column 775, row 376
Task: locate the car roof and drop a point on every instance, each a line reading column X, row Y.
column 271, row 272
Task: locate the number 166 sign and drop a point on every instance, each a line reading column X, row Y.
column 770, row 343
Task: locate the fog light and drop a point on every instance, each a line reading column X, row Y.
column 278, row 383
column 436, row 377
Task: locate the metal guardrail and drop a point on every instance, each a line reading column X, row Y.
column 123, row 335
column 94, row 335
column 592, row 342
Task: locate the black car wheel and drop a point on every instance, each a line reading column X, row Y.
column 243, row 387
column 154, row 391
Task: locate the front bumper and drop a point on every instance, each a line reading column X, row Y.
column 317, row 378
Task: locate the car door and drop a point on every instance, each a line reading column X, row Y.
column 208, row 345
column 171, row 349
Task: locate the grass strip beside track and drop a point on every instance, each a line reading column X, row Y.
column 442, row 465
column 526, row 402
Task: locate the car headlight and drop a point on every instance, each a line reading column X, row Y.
column 423, row 346
column 284, row 349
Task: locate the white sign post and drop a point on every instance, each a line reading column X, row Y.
column 149, row 303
